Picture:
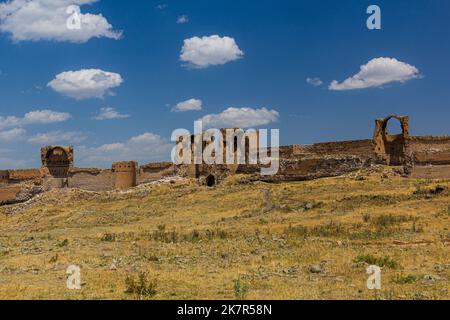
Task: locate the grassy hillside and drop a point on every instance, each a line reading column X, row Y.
column 241, row 239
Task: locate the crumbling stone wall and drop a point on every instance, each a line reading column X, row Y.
column 302, row 162
column 155, row 171
column 314, row 168
column 421, row 157
column 21, row 175
column 4, row 177
column 360, row 148
column 8, row 194
column 429, row 150
column 91, row 179
column 430, row 172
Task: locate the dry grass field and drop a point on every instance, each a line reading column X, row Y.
column 238, row 240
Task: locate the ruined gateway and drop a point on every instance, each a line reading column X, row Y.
column 415, row 157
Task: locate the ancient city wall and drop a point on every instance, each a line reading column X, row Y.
column 8, row 194
column 24, row 175
column 315, row 168
column 429, row 150
column 361, row 148
column 421, row 157
column 4, row 177
column 431, row 172
column 155, row 171
column 91, row 179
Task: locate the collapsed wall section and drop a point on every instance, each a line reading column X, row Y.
column 22, row 175
column 155, row 171
column 429, row 150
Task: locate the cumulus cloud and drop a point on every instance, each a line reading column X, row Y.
column 143, row 148
column 209, row 51
column 86, row 83
column 56, row 137
column 110, row 114
column 11, row 135
column 183, row 19
column 188, row 105
column 240, row 118
column 34, row 117
column 316, row 82
column 34, row 20
column 378, row 72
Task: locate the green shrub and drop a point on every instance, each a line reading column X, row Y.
column 63, row 243
column 381, row 262
column 404, row 279
column 141, row 287
column 240, row 289
column 108, row 237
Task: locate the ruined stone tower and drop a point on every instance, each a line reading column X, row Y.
column 124, row 174
column 57, row 161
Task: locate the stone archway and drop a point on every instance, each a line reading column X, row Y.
column 391, row 147
column 57, row 160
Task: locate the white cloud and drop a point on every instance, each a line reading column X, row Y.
column 188, row 105
column 241, row 118
column 86, row 83
column 378, row 72
column 47, row 20
column 208, row 51
column 34, row 117
column 316, row 82
column 56, row 137
column 12, row 135
column 110, row 114
column 183, row 19
column 143, row 148
column 161, row 6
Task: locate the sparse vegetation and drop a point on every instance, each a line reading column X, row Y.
column 108, row 237
column 193, row 242
column 385, row 221
column 383, row 262
column 404, row 279
column 142, row 287
column 63, row 243
column 240, row 289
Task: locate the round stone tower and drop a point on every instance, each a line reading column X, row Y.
column 124, row 174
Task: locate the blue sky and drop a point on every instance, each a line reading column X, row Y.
column 272, row 48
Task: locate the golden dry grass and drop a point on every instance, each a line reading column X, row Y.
column 195, row 242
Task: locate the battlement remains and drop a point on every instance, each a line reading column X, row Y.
column 125, row 173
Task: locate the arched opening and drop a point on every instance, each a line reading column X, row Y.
column 394, row 141
column 210, row 180
column 390, row 138
column 393, row 127
column 58, row 162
